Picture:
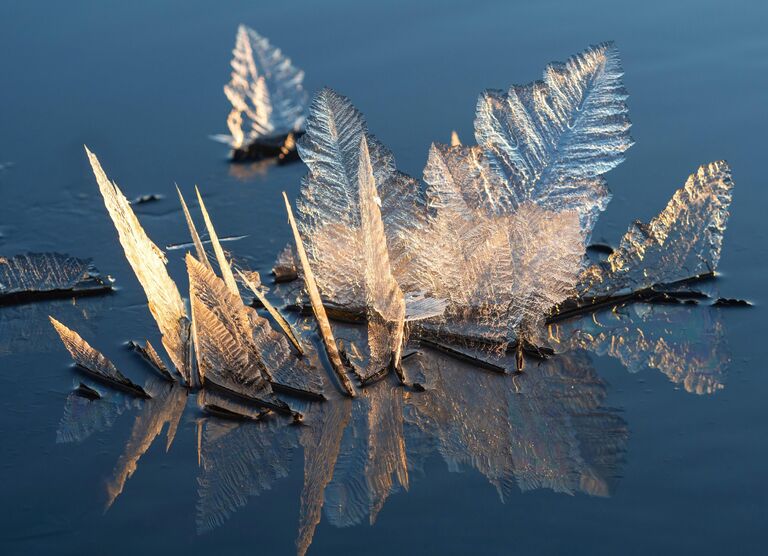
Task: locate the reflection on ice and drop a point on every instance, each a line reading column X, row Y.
column 686, row 343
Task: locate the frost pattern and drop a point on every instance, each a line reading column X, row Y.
column 266, row 91
column 683, row 241
column 225, row 348
column 148, row 263
column 329, row 204
column 47, row 272
column 501, row 272
column 552, row 140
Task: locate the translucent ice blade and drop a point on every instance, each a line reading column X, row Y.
column 148, row 263
column 383, row 295
column 94, row 361
column 317, row 307
column 202, row 256
column 553, row 139
column 265, row 90
column 273, row 311
column 221, row 258
column 683, row 241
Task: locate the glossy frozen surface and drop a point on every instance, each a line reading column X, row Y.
column 652, row 467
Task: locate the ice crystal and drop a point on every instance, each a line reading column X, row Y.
column 224, row 341
column 552, row 140
column 45, row 274
column 93, row 361
column 148, row 263
column 683, row 241
column 266, row 92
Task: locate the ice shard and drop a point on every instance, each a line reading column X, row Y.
column 35, row 276
column 148, row 263
column 225, row 345
column 282, row 369
column 94, row 362
column 682, row 242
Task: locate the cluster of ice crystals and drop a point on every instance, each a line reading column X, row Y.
column 266, row 91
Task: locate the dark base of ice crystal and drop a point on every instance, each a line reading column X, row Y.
column 268, row 148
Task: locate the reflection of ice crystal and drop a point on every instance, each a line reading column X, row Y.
column 685, row 343
column 265, row 90
column 683, row 241
column 546, row 429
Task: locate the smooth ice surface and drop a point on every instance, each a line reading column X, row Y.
column 693, row 471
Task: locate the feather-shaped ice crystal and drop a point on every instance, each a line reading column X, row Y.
column 552, row 140
column 266, row 91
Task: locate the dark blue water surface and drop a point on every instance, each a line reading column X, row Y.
column 141, row 84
